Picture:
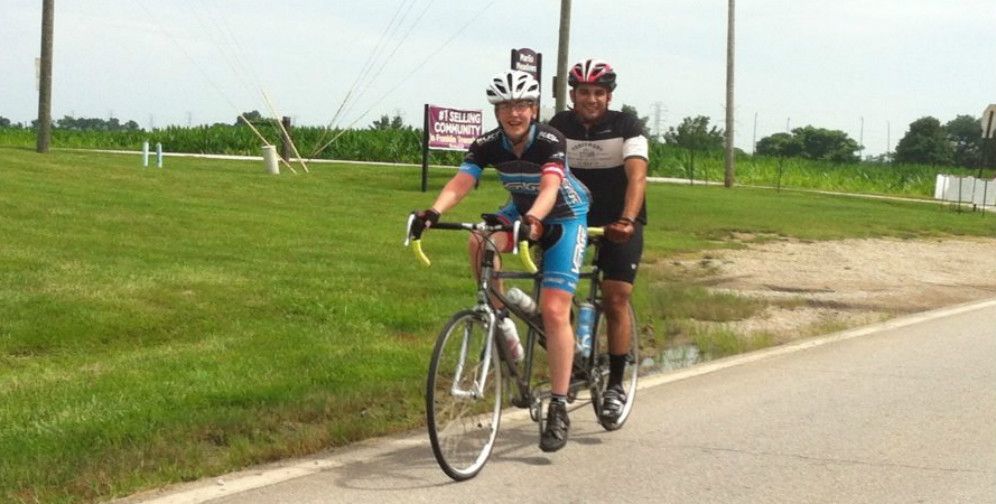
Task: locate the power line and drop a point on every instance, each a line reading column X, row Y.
column 408, row 75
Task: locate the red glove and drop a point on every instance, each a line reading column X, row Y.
column 620, row 231
column 535, row 227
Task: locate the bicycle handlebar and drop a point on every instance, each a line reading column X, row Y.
column 520, row 247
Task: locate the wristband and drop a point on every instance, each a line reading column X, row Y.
column 627, row 220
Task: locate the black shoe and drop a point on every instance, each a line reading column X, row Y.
column 613, row 403
column 554, row 437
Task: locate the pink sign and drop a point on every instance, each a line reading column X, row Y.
column 453, row 129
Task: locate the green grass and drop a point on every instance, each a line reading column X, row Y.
column 165, row 325
column 721, row 342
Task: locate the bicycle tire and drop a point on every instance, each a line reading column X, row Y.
column 600, row 367
column 462, row 427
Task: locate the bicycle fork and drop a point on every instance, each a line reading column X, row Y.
column 476, row 391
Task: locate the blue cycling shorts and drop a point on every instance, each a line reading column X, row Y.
column 563, row 245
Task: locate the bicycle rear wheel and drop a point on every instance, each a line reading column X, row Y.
column 463, row 414
column 600, row 370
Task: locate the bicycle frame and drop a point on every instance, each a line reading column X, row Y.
column 484, row 306
column 536, row 333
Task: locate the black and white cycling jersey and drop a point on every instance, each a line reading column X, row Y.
column 597, row 156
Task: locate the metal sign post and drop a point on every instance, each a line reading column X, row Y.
column 425, row 148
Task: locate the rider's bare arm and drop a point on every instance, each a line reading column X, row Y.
column 636, row 172
column 453, row 192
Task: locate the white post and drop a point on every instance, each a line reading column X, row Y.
column 159, row 155
column 270, row 159
column 145, row 154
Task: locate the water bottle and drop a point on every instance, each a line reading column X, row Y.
column 586, row 321
column 522, row 301
column 506, row 328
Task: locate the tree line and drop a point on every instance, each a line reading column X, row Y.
column 956, row 143
column 78, row 124
column 929, row 142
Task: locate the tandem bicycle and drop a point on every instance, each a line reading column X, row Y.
column 470, row 370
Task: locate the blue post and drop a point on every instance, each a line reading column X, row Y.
column 159, row 154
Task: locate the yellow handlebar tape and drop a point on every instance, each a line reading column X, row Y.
column 422, row 258
column 526, row 257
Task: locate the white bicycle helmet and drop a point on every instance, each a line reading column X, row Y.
column 513, row 85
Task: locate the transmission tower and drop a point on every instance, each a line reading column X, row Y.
column 658, row 109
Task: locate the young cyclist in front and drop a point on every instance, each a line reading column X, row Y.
column 531, row 163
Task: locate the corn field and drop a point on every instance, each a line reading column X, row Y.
column 404, row 146
column 391, row 145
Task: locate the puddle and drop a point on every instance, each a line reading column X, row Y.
column 674, row 358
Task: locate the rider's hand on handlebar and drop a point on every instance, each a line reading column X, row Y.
column 620, row 231
column 424, row 219
column 535, row 227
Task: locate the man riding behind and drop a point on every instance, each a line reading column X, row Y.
column 608, row 152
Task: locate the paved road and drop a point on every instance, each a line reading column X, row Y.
column 903, row 412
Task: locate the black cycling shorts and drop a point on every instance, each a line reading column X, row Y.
column 619, row 261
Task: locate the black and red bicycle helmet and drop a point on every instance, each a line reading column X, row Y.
column 592, row 71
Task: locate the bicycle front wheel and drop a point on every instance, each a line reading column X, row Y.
column 601, row 371
column 463, row 396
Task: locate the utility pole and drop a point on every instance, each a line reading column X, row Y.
column 560, row 89
column 45, row 82
column 730, row 168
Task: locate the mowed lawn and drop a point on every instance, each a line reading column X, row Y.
column 165, row 325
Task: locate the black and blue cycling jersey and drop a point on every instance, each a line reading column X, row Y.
column 564, row 244
column 544, row 153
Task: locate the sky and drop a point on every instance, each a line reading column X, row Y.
column 866, row 68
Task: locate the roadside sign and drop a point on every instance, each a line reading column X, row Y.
column 526, row 60
column 447, row 128
column 529, row 61
column 453, row 129
column 989, row 122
